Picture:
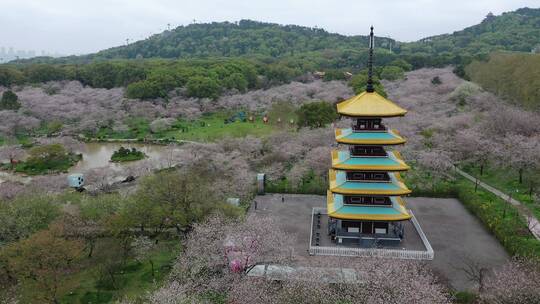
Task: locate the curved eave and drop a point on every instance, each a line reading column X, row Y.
column 345, row 191
column 352, row 115
column 363, row 188
column 343, row 138
column 369, row 105
column 342, row 165
column 335, row 211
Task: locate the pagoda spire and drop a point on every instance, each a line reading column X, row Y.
column 369, row 86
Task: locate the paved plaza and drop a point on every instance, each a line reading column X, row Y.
column 456, row 236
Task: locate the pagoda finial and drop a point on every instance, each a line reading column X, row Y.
column 369, row 87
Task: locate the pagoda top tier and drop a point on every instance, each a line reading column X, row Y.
column 369, row 104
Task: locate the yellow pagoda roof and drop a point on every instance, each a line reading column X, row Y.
column 337, row 208
column 348, row 136
column 392, row 162
column 369, row 105
column 340, row 184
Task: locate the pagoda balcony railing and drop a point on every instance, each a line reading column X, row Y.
column 357, row 235
column 369, row 154
column 368, row 180
column 375, row 128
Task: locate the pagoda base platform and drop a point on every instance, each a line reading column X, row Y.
column 456, row 235
column 414, row 245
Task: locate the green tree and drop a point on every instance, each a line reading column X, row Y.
column 9, row 101
column 334, row 75
column 201, row 87
column 10, row 76
column 236, row 81
column 42, row 261
column 392, row 73
column 359, row 81
column 38, row 73
column 176, row 199
column 45, row 158
column 402, row 64
column 143, row 90
column 26, row 215
column 316, row 114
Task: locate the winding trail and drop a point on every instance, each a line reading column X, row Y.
column 532, row 222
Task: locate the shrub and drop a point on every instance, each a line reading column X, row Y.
column 203, row 87
column 501, row 218
column 465, row 90
column 316, row 114
column 162, row 124
column 9, row 101
column 144, row 90
column 47, row 158
column 236, row 81
column 392, row 73
column 126, row 154
column 359, row 81
column 334, row 75
column 402, row 64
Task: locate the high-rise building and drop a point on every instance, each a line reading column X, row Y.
column 364, row 201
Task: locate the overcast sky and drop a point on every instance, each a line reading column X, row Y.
column 84, row 26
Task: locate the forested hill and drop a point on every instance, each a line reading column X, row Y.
column 226, row 39
column 513, row 31
column 516, row 31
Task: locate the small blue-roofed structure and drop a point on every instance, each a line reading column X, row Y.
column 75, row 180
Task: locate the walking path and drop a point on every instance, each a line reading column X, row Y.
column 532, row 222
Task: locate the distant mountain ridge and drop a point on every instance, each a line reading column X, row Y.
column 233, row 39
column 512, row 31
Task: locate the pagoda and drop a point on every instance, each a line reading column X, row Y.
column 364, row 202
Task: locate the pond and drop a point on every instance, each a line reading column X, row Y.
column 98, row 155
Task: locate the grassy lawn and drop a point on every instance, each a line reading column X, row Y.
column 310, row 184
column 209, row 127
column 58, row 165
column 499, row 217
column 213, row 127
column 507, row 180
column 93, row 284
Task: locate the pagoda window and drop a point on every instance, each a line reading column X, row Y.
column 351, row 226
column 368, row 176
column 381, row 227
column 368, row 200
column 368, row 124
column 367, row 151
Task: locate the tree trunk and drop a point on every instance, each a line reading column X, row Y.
column 113, row 281
column 481, row 169
column 91, row 249
column 152, row 268
column 520, row 175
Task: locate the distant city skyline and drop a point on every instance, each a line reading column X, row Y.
column 81, row 27
column 8, row 53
